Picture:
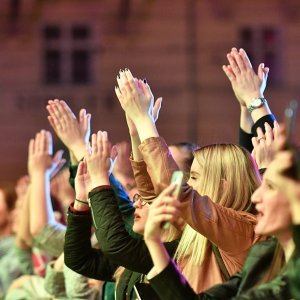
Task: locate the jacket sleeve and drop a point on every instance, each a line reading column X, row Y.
column 245, row 138
column 79, row 254
column 116, row 243
column 223, row 226
column 142, row 179
column 181, row 290
column 124, row 203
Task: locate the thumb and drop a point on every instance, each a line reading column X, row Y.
column 156, row 108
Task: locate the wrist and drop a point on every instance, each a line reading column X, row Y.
column 250, row 97
column 78, row 149
column 103, row 180
column 81, row 205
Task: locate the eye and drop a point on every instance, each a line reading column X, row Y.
column 269, row 186
column 193, row 178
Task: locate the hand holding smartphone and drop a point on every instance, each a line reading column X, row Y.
column 177, row 178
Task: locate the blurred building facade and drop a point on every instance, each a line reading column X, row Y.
column 73, row 50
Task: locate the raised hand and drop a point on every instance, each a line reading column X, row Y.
column 246, row 84
column 82, row 182
column 264, row 145
column 99, row 159
column 135, row 96
column 40, row 158
column 72, row 132
column 164, row 209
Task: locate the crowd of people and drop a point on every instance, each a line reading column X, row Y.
column 109, row 225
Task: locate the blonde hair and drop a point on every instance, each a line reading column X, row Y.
column 229, row 177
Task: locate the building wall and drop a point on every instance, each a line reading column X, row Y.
column 179, row 46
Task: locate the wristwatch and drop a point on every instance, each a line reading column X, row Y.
column 256, row 103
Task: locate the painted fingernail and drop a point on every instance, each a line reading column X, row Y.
column 145, row 80
column 118, row 77
column 126, row 69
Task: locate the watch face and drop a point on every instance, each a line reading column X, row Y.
column 257, row 103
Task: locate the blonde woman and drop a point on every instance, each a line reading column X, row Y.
column 270, row 270
column 215, row 202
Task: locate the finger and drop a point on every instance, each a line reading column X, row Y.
column 114, row 152
column 39, row 142
column 229, row 73
column 87, row 123
column 156, row 108
column 266, row 71
column 133, row 85
column 269, row 134
column 238, row 60
column 100, row 141
column 259, row 133
column 232, row 62
column 105, row 144
column 66, row 111
column 31, row 148
column 48, row 142
column 254, row 143
column 80, row 170
column 147, row 90
column 82, row 116
column 94, row 143
column 260, row 72
column 59, row 112
column 245, row 59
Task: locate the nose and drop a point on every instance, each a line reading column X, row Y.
column 256, row 196
column 137, row 203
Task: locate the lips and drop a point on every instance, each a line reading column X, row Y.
column 136, row 217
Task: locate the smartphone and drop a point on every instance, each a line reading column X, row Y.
column 177, row 177
column 290, row 114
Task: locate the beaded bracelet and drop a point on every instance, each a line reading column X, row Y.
column 84, row 202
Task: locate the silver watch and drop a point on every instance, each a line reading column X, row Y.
column 256, row 103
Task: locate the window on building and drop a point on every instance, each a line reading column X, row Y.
column 263, row 46
column 67, row 54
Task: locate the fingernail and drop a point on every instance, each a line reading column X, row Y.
column 145, row 80
column 118, row 77
column 263, row 65
column 126, row 69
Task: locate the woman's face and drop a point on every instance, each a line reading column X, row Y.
column 195, row 175
column 140, row 216
column 273, row 210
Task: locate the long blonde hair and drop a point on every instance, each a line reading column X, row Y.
column 229, row 177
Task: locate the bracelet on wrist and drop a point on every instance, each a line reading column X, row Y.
column 81, row 201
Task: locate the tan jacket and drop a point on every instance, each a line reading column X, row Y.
column 230, row 230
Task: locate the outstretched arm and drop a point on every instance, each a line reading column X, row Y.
column 40, row 166
column 247, row 85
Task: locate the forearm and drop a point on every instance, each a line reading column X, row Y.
column 159, row 255
column 41, row 212
column 135, row 142
column 24, row 238
column 146, row 128
column 246, row 121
